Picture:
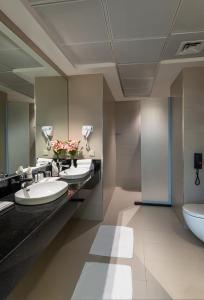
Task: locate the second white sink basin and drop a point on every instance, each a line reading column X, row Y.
column 40, row 193
column 74, row 173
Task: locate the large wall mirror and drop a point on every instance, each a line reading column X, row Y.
column 19, row 67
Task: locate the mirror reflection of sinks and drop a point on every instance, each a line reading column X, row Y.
column 84, row 167
column 40, row 193
column 74, row 173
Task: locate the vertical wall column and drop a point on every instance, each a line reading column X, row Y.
column 177, row 144
column 109, row 146
column 86, row 108
column 3, row 101
column 32, row 133
column 91, row 103
column 128, row 145
column 155, row 151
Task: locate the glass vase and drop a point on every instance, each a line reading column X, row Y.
column 73, row 161
column 59, row 165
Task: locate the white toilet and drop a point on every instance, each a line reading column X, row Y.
column 194, row 217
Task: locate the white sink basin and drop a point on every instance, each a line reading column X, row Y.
column 74, row 173
column 40, row 193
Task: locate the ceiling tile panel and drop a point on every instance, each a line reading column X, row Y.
column 4, row 68
column 75, row 21
column 138, row 51
column 27, row 90
column 138, row 83
column 137, row 70
column 190, row 17
column 174, row 42
column 16, row 83
column 12, row 79
column 6, row 43
column 141, row 18
column 17, row 58
column 137, row 92
column 89, row 53
column 141, row 87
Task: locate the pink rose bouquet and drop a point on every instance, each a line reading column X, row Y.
column 73, row 148
column 59, row 148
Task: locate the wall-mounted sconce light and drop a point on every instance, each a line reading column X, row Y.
column 48, row 134
column 86, row 132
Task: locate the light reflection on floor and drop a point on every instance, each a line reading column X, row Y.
column 104, row 281
column 113, row 241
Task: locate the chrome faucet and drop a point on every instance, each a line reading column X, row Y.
column 37, row 175
column 24, row 186
column 25, row 182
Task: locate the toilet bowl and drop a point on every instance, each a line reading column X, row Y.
column 194, row 217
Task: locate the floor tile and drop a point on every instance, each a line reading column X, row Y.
column 104, row 281
column 113, row 241
column 180, row 281
column 167, row 263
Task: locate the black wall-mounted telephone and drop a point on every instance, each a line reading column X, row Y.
column 198, row 161
column 198, row 164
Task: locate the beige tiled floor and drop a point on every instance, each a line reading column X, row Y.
column 168, row 260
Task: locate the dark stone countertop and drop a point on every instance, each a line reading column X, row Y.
column 25, row 231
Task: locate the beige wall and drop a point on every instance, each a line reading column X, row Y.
column 177, row 144
column 3, row 99
column 91, row 103
column 193, row 89
column 109, row 146
column 51, row 96
column 86, row 108
column 188, row 108
column 18, row 136
column 155, row 150
column 128, row 145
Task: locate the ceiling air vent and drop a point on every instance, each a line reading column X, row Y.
column 190, row 48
